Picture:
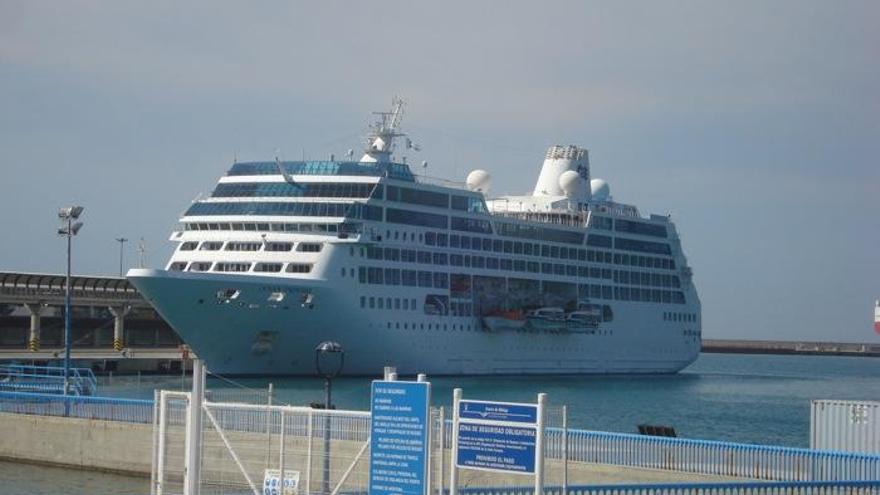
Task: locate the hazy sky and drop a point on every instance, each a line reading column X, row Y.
column 755, row 124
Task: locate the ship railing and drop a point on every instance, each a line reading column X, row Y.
column 437, row 181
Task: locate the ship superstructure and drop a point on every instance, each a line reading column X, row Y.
column 425, row 275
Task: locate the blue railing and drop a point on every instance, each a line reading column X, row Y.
column 709, row 457
column 713, row 457
column 74, row 406
column 749, row 488
column 46, row 379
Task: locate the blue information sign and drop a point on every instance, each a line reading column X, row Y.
column 399, row 438
column 497, row 436
column 498, row 411
column 496, row 447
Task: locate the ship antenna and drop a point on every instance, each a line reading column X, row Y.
column 380, row 142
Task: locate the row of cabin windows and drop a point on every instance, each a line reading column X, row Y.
column 395, row 303
column 545, row 250
column 440, row 280
column 306, row 247
column 294, row 190
column 684, row 317
column 238, row 267
column 520, row 265
column 262, row 227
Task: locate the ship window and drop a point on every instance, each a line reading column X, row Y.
column 442, row 240
column 508, row 246
column 571, row 270
column 492, row 263
column 272, row 267
column 456, row 260
column 425, row 279
column 431, row 238
column 200, row 266
column 478, row 261
column 232, row 267
column 392, row 276
column 454, row 241
column 408, row 255
column 363, row 301
column 299, row 268
column 559, row 269
column 471, row 225
column 518, row 265
column 424, row 257
column 439, row 258
column 642, row 246
column 527, row 249
column 309, row 247
column 409, row 278
column 381, row 303
column 243, row 246
column 406, row 307
column 189, row 246
column 599, row 240
column 375, row 276
column 396, row 303
column 640, row 228
column 545, row 250
column 465, row 242
column 563, row 254
column 279, row 246
column 177, row 266
column 372, row 302
column 406, row 217
column 392, row 254
column 497, row 245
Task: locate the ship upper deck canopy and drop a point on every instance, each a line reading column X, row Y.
column 399, row 171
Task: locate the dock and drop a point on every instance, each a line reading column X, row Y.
column 804, row 348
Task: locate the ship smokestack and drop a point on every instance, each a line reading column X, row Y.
column 561, row 159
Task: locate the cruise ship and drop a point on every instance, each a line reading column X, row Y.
column 426, row 275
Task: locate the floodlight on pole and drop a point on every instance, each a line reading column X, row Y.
column 121, row 241
column 329, row 359
column 68, row 229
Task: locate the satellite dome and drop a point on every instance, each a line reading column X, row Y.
column 570, row 182
column 478, row 180
column 600, row 189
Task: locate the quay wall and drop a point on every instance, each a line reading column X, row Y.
column 109, row 446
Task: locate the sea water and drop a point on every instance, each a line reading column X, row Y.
column 739, row 398
column 733, row 397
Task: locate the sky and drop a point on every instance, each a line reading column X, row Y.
column 756, row 125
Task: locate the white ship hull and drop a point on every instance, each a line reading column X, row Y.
column 251, row 335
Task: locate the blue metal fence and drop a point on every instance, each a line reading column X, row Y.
column 713, row 457
column 46, row 379
column 75, row 406
column 751, row 488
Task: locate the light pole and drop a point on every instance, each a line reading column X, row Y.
column 69, row 228
column 329, row 358
column 121, row 241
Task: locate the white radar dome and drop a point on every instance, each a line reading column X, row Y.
column 570, row 182
column 478, row 180
column 600, row 189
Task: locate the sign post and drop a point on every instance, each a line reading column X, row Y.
column 400, row 438
column 498, row 436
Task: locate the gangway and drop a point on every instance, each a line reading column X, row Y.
column 46, row 379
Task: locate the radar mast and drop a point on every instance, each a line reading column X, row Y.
column 380, row 142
